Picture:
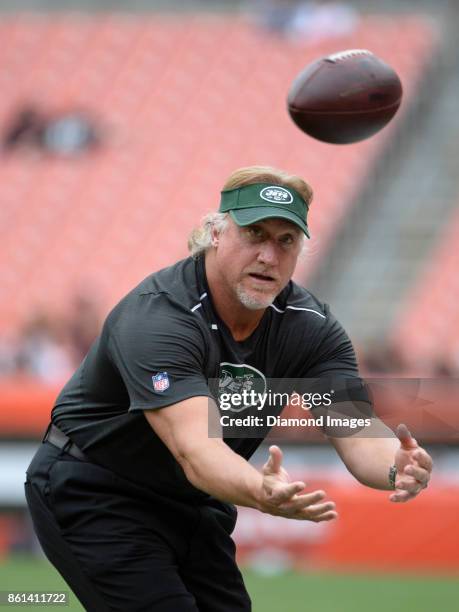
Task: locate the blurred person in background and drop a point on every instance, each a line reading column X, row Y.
column 68, row 132
column 382, row 358
column 23, row 130
column 8, row 355
column 43, row 349
column 300, row 21
column 132, row 500
column 83, row 323
column 51, row 346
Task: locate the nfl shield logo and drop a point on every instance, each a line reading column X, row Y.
column 160, row 382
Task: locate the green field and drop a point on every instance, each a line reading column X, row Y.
column 289, row 592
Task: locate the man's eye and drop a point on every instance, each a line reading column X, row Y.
column 287, row 240
column 254, row 232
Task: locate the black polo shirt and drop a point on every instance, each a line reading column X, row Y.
column 161, row 344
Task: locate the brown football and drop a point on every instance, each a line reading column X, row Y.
column 344, row 97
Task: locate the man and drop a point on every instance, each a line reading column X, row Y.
column 131, row 498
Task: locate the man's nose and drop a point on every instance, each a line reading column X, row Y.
column 267, row 253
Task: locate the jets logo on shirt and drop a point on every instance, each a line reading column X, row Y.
column 237, row 378
column 160, row 382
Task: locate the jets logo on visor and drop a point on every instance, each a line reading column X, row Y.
column 276, row 195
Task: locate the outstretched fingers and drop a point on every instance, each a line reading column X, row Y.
column 329, row 515
column 423, row 459
column 309, row 507
column 287, row 499
column 286, row 492
column 402, row 496
column 318, row 512
column 299, row 502
column 420, row 475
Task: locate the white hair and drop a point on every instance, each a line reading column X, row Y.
column 200, row 239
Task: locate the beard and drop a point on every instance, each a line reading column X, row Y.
column 252, row 302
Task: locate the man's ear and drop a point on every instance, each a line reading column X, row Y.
column 215, row 236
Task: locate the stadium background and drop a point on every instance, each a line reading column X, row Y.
column 118, row 127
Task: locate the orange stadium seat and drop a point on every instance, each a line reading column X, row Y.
column 428, row 327
column 183, row 101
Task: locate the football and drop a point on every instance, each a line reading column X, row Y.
column 344, row 97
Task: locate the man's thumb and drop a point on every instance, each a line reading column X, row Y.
column 275, row 459
column 407, row 442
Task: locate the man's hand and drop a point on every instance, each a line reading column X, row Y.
column 280, row 497
column 414, row 466
column 184, row 429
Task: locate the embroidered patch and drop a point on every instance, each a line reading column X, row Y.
column 276, row 195
column 235, row 378
column 160, row 382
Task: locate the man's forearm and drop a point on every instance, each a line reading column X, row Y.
column 211, row 465
column 369, row 459
column 217, row 470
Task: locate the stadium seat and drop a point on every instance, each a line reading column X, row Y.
column 428, row 327
column 182, row 102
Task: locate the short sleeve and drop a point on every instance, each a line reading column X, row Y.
column 334, row 368
column 159, row 349
column 334, row 355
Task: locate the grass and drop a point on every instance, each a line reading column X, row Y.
column 26, row 573
column 288, row 592
column 293, row 592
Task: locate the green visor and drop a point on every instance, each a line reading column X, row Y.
column 252, row 203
